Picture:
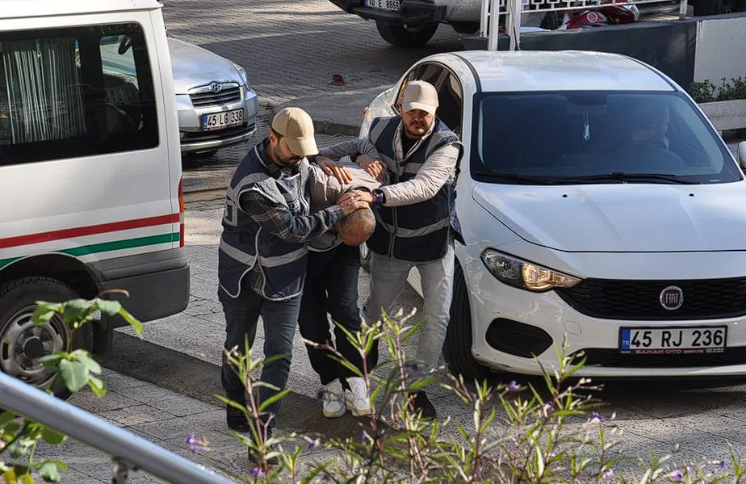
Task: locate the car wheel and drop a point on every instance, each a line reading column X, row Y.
column 406, row 36
column 457, row 346
column 22, row 343
column 365, row 257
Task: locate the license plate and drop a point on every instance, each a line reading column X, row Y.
column 222, row 120
column 673, row 341
column 383, row 4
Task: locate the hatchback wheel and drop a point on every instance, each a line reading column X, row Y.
column 457, row 346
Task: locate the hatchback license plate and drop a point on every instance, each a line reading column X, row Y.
column 672, row 341
column 383, row 4
column 222, row 120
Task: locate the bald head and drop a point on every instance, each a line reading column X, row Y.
column 355, row 228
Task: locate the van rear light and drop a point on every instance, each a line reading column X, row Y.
column 181, row 212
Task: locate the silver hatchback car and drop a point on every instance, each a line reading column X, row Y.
column 215, row 103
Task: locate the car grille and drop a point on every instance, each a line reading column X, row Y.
column 639, row 300
column 614, row 359
column 225, row 96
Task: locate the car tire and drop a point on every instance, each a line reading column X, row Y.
column 19, row 336
column 406, row 36
column 457, row 346
column 365, row 257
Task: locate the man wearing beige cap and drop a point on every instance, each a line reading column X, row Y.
column 415, row 204
column 262, row 252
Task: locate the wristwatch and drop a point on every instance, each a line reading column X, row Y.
column 380, row 196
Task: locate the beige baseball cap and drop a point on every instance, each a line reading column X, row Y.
column 297, row 127
column 419, row 95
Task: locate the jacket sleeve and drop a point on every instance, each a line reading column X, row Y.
column 439, row 168
column 353, row 148
column 281, row 222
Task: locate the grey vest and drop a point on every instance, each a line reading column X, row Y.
column 243, row 243
column 418, row 232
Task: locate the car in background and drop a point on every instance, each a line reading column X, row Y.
column 215, row 103
column 596, row 203
column 216, row 106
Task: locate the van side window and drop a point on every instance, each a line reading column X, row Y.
column 72, row 92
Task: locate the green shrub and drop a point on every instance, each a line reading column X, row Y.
column 547, row 435
column 706, row 91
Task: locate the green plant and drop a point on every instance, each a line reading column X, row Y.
column 550, row 433
column 706, row 91
column 19, row 437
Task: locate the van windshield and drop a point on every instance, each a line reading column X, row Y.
column 595, row 137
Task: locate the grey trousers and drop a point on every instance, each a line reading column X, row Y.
column 387, row 279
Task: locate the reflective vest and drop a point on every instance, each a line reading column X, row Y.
column 419, row 232
column 244, row 244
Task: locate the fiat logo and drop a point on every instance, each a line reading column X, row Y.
column 215, row 87
column 672, row 298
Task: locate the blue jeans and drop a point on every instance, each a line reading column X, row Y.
column 280, row 319
column 387, row 279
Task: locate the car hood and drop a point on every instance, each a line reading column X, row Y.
column 622, row 217
column 194, row 66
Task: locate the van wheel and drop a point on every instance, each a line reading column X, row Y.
column 22, row 343
column 365, row 257
column 457, row 346
column 406, row 36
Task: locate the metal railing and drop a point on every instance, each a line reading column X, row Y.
column 514, row 9
column 128, row 450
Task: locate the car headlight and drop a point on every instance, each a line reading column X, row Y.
column 243, row 74
column 524, row 275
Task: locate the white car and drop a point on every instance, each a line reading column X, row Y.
column 576, row 225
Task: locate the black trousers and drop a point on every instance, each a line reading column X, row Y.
column 331, row 287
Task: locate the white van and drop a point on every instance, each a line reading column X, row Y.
column 90, row 171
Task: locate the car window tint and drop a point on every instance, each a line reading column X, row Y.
column 576, row 134
column 71, row 92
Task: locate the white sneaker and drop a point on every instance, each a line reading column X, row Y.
column 356, row 397
column 334, row 400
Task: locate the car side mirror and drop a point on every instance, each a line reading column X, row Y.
column 741, row 154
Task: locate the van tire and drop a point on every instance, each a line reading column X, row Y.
column 406, row 36
column 457, row 346
column 17, row 303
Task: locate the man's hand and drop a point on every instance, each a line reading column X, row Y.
column 353, row 200
column 358, row 195
column 331, row 168
column 375, row 168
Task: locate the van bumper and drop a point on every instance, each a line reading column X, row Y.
column 157, row 283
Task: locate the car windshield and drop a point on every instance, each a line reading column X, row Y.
column 595, row 137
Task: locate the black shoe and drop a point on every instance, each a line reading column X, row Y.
column 254, row 459
column 236, row 420
column 422, row 403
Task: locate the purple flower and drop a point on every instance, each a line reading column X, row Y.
column 547, row 409
column 195, row 444
column 597, row 418
column 365, row 435
column 719, row 463
column 513, row 385
column 312, row 443
column 413, row 367
column 676, row 475
column 256, row 472
column 608, row 473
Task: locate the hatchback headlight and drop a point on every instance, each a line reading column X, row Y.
column 242, row 74
column 524, row 275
